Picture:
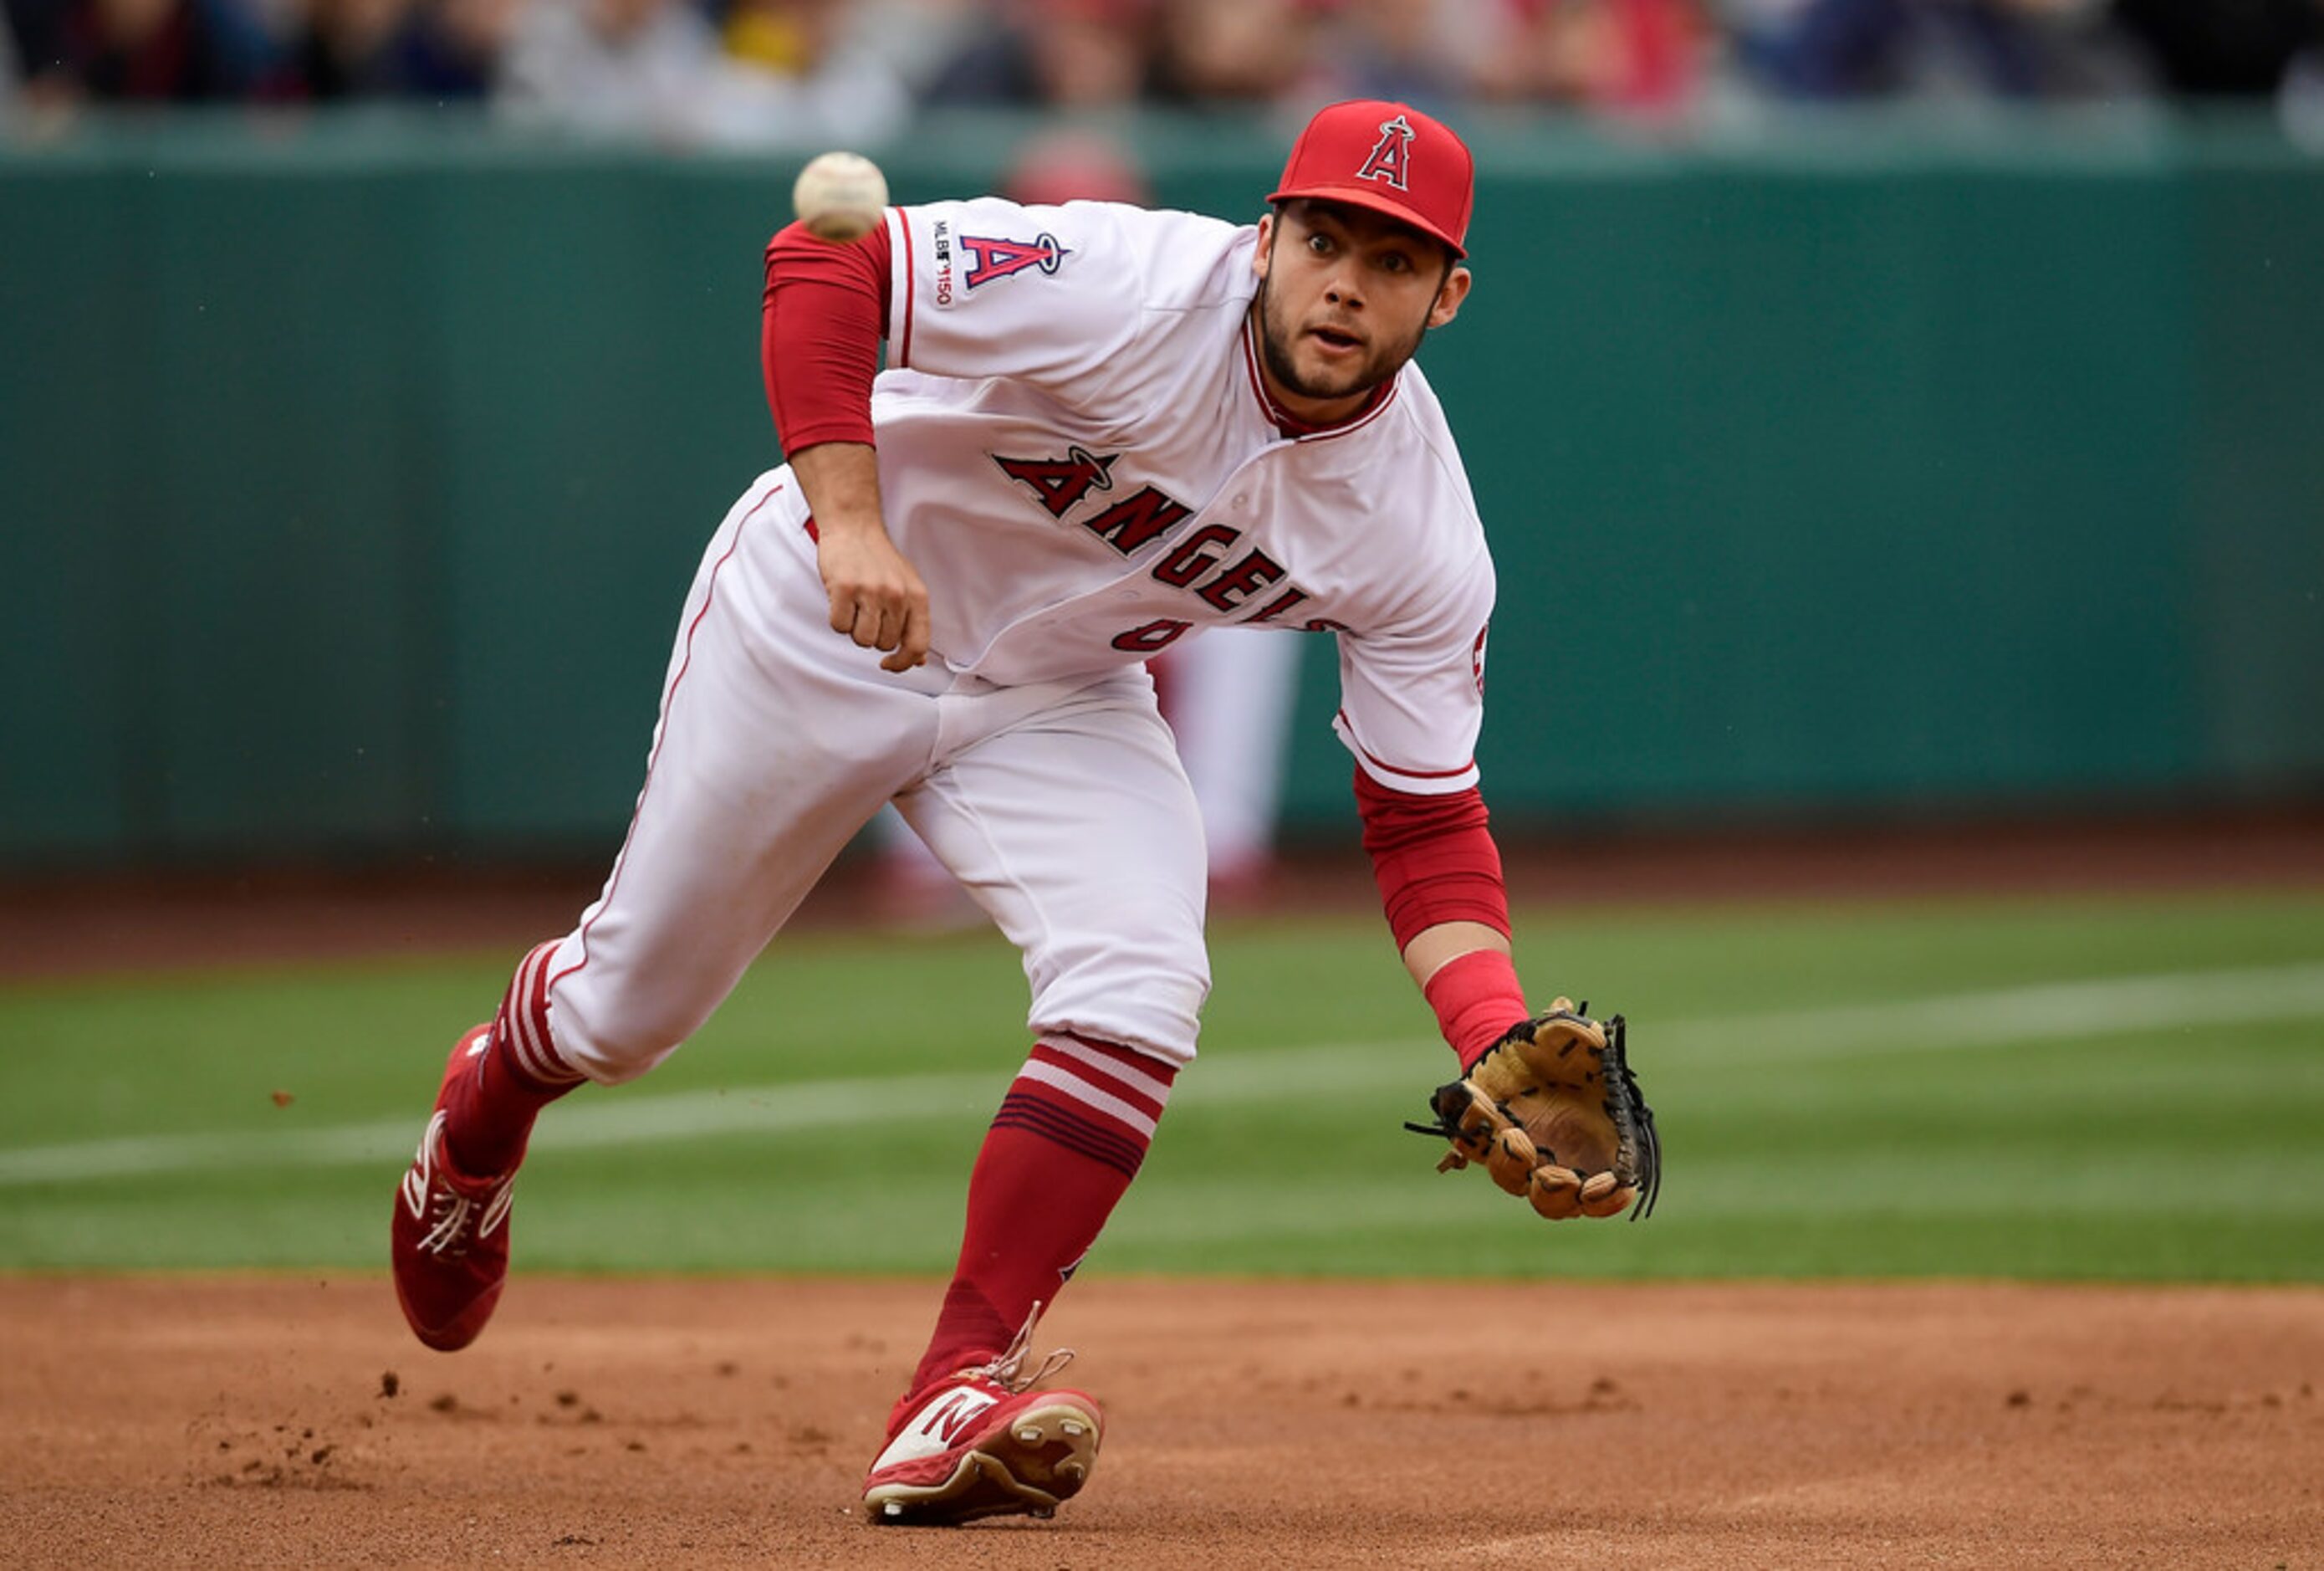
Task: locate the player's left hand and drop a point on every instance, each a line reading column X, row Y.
column 1554, row 1115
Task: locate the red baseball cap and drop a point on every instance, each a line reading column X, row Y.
column 1390, row 157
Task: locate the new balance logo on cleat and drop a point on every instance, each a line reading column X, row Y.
column 937, row 1424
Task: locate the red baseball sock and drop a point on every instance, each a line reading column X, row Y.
column 1068, row 1139
column 492, row 1111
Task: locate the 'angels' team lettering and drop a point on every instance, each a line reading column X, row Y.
column 1199, row 563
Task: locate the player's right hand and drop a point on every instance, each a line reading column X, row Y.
column 877, row 597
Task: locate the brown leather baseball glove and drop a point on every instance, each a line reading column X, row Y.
column 1553, row 1114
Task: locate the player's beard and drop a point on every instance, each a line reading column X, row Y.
column 1276, row 337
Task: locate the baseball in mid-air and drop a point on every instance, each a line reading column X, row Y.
column 840, row 195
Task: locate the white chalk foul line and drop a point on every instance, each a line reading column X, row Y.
column 2181, row 1000
column 625, row 1120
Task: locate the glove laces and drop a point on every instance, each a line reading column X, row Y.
column 1623, row 1086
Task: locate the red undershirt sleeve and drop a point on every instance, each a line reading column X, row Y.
column 825, row 313
column 1434, row 858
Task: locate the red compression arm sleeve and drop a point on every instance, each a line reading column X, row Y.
column 1433, row 857
column 1436, row 862
column 826, row 312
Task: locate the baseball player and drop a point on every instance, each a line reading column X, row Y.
column 1103, row 430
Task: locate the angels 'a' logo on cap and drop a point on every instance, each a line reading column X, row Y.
column 1391, row 155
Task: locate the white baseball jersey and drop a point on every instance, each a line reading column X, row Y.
column 1078, row 454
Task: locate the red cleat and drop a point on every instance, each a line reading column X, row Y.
column 985, row 1444
column 450, row 1243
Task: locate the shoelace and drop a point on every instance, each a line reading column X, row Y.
column 456, row 1220
column 1007, row 1371
column 452, row 1235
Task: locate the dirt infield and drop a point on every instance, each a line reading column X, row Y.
column 292, row 1421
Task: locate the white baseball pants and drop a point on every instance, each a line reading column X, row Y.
column 1062, row 808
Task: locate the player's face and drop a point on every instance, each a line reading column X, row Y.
column 1344, row 298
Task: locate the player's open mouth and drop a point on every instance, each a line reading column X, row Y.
column 1335, row 341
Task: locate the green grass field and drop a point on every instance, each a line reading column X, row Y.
column 2065, row 1088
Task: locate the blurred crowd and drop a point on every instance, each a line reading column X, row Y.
column 746, row 73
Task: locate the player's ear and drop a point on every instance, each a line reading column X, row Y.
column 1264, row 255
column 1449, row 296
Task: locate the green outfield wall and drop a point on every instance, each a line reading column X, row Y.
column 351, row 473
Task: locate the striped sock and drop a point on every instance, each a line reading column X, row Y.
column 1068, row 1139
column 521, row 1075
